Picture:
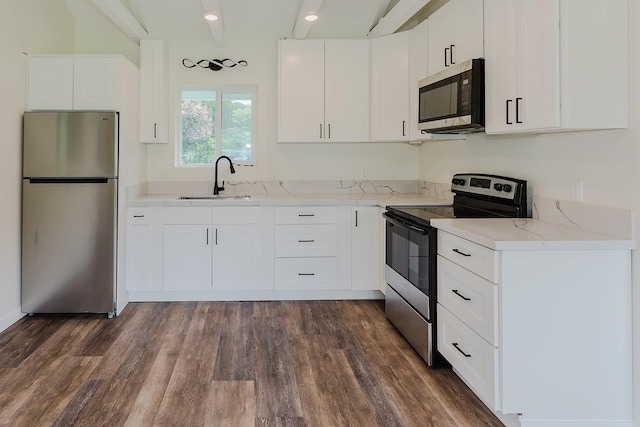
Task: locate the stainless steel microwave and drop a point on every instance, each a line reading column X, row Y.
column 452, row 101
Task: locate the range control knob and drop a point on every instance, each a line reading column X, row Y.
column 458, row 181
column 497, row 187
column 507, row 188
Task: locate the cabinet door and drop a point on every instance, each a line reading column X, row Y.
column 138, row 257
column 500, row 65
column 301, row 91
column 522, row 65
column 153, row 114
column 469, row 34
column 238, row 257
column 365, row 249
column 50, row 84
column 538, row 65
column 96, row 84
column 441, row 37
column 187, row 257
column 419, row 70
column 390, row 87
column 347, row 86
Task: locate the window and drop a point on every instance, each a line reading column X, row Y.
column 215, row 122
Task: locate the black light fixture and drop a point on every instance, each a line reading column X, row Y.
column 214, row 64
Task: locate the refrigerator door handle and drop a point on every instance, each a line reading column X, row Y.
column 68, row 180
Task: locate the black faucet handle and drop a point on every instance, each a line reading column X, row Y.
column 221, row 187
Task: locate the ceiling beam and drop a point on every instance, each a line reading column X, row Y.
column 123, row 19
column 396, row 17
column 216, row 27
column 302, row 26
column 383, row 5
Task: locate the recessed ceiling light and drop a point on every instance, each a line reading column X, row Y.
column 311, row 17
column 210, row 16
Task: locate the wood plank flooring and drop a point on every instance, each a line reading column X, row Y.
column 291, row 363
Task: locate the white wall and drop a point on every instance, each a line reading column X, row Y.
column 26, row 26
column 96, row 34
column 290, row 161
column 605, row 161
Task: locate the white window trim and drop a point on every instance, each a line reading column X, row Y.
column 219, row 89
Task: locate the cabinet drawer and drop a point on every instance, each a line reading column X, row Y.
column 306, row 215
column 473, row 257
column 306, row 240
column 306, row 273
column 469, row 297
column 474, row 359
column 138, row 216
column 237, row 215
column 187, row 215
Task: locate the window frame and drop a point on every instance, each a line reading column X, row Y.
column 251, row 90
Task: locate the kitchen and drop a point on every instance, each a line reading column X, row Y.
column 602, row 160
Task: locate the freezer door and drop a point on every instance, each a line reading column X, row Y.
column 74, row 144
column 68, row 246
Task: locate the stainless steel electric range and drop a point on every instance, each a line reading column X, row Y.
column 411, row 251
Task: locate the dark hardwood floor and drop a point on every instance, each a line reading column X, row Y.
column 294, row 363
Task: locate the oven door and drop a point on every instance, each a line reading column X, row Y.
column 410, row 259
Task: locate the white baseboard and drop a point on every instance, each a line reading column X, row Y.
column 10, row 318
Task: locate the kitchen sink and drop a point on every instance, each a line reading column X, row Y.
column 215, row 197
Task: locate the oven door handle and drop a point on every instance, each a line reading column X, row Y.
column 402, row 223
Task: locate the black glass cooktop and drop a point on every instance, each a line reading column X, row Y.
column 423, row 213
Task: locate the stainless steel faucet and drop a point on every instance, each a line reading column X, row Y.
column 217, row 189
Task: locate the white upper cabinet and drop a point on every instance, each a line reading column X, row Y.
column 346, row 90
column 455, row 34
column 323, row 91
column 96, row 84
column 556, row 65
column 153, row 110
column 390, row 87
column 50, row 84
column 419, row 49
column 75, row 83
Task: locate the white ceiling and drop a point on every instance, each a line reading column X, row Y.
column 183, row 19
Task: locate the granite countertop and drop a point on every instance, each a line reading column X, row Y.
column 529, row 234
column 327, row 199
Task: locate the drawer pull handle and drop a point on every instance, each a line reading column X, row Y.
column 306, row 241
column 458, row 251
column 306, row 274
column 306, row 214
column 138, row 216
column 455, row 344
column 455, row 291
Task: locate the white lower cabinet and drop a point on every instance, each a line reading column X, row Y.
column 528, row 330
column 310, row 248
column 212, row 252
column 303, row 274
column 238, row 249
column 187, row 249
column 366, row 255
column 187, row 257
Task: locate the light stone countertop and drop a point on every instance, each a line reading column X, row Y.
column 529, row 234
column 320, row 199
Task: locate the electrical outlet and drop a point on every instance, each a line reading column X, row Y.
column 163, row 176
column 363, row 174
column 576, row 191
column 270, row 174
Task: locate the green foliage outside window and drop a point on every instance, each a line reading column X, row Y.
column 199, row 127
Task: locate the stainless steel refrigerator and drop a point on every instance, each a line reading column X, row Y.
column 69, row 203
